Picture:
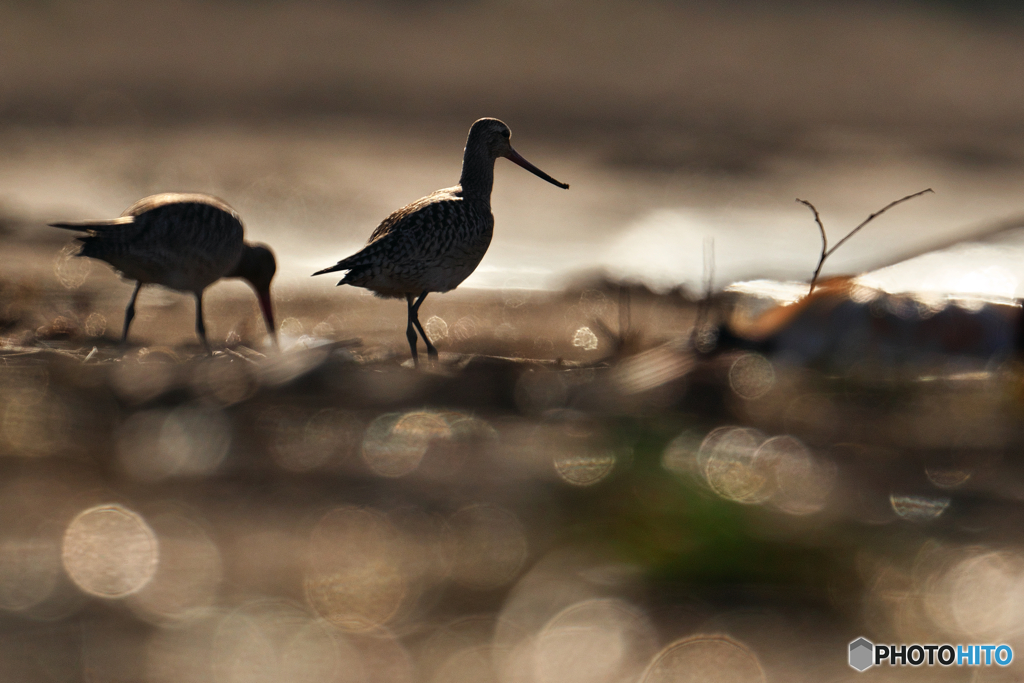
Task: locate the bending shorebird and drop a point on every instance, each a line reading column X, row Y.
column 181, row 241
column 435, row 243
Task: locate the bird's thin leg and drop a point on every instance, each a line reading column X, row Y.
column 200, row 327
column 410, row 331
column 431, row 351
column 129, row 313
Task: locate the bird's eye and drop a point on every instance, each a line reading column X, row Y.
column 507, row 133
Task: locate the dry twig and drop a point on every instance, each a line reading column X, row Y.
column 699, row 333
column 825, row 251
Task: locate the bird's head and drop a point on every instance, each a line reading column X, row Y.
column 494, row 137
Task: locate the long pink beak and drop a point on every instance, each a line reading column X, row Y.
column 517, row 158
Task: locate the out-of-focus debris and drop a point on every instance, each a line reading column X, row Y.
column 844, row 324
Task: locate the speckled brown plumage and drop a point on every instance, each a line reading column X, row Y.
column 431, row 245
column 435, row 243
column 182, row 241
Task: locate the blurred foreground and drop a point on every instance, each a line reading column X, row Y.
column 586, row 502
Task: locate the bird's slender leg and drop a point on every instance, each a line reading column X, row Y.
column 129, row 313
column 200, row 326
column 431, row 351
column 410, row 331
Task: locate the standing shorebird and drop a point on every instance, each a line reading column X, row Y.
column 435, row 243
column 181, row 241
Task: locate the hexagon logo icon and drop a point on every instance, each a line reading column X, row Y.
column 862, row 654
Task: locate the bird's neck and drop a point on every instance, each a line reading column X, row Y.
column 477, row 173
column 244, row 266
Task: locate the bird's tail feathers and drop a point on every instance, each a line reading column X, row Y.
column 332, row 269
column 101, row 224
column 344, row 264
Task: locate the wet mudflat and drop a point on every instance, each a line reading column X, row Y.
column 560, row 498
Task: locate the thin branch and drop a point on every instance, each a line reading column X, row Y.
column 876, row 215
column 824, row 241
column 826, row 252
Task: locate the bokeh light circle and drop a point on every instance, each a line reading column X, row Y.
column 918, row 508
column 72, row 271
column 109, row 551
column 188, row 441
column 491, row 546
column 29, row 568
column 751, row 376
column 395, row 443
column 188, row 574
column 355, row 578
column 705, row 659
column 728, row 460
column 802, row 482
column 580, row 448
column 599, row 640
column 584, row 338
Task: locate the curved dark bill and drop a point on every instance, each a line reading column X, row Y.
column 517, row 158
column 268, row 314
